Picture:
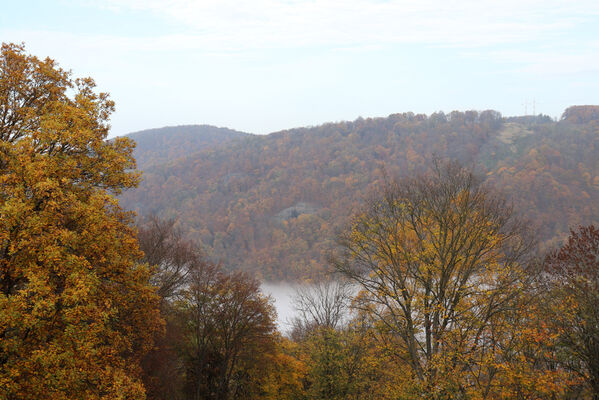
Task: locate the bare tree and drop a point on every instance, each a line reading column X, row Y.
column 323, row 304
column 171, row 256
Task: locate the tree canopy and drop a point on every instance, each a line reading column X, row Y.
column 439, row 259
column 571, row 274
column 76, row 308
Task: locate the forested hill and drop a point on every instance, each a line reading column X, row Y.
column 272, row 204
column 158, row 146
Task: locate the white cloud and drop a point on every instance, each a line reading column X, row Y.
column 233, row 26
column 242, row 24
column 550, row 63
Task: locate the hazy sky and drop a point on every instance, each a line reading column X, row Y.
column 265, row 65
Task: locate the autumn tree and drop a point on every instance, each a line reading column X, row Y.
column 438, row 258
column 323, row 309
column 284, row 373
column 76, row 310
column 572, row 277
column 229, row 335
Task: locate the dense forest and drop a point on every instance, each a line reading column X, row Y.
column 273, row 204
column 160, row 146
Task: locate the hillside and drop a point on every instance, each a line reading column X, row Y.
column 158, row 146
column 273, row 204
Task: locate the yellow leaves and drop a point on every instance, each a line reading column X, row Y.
column 286, row 372
column 72, row 300
column 433, row 257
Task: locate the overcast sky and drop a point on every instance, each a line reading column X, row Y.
column 266, row 65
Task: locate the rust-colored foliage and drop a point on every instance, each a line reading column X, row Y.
column 273, row 204
column 76, row 310
column 581, row 114
column 573, row 273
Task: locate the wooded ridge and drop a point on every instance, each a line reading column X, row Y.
column 272, row 204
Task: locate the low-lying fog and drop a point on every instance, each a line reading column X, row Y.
column 332, row 294
column 282, row 294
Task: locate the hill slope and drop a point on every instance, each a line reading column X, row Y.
column 273, row 204
column 158, row 146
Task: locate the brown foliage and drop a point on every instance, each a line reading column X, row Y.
column 573, row 273
column 272, row 205
column 581, row 114
column 172, row 260
column 228, row 336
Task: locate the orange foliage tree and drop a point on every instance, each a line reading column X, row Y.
column 76, row 308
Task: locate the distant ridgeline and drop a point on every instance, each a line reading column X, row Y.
column 273, row 204
column 160, row 146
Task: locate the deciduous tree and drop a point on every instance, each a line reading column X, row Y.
column 572, row 274
column 438, row 258
column 76, row 310
column 229, row 335
column 324, row 304
column 172, row 260
column 171, row 257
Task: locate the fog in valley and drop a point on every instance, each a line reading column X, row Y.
column 282, row 294
column 326, row 303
